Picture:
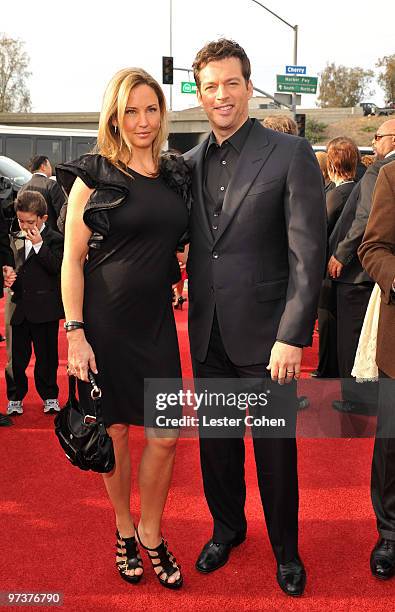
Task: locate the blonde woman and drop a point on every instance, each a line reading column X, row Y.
column 124, row 221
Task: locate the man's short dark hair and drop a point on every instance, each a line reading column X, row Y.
column 219, row 50
column 36, row 162
column 32, row 202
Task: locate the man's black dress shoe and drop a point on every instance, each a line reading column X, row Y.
column 215, row 555
column 291, row 577
column 382, row 559
column 303, row 402
column 345, row 406
column 348, row 407
column 5, row 420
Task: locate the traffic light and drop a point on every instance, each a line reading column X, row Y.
column 301, row 121
column 167, row 70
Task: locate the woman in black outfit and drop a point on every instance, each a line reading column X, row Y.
column 124, row 221
column 342, row 159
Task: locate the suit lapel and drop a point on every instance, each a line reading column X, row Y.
column 30, row 255
column 253, row 156
column 198, row 178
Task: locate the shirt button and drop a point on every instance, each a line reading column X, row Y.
column 215, row 255
column 223, row 162
column 216, row 214
column 215, row 227
column 222, row 188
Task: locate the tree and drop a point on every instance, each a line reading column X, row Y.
column 315, row 130
column 387, row 77
column 14, row 63
column 343, row 87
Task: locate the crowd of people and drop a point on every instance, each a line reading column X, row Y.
column 276, row 235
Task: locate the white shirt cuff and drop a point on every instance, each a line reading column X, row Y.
column 38, row 246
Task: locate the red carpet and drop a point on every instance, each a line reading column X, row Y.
column 57, row 531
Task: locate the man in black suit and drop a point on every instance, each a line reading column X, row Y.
column 38, row 252
column 255, row 266
column 41, row 181
column 354, row 285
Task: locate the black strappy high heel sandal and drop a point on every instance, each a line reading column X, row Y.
column 131, row 560
column 166, row 562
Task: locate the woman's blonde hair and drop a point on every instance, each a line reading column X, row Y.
column 112, row 143
column 281, row 123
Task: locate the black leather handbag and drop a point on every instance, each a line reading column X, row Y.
column 81, row 431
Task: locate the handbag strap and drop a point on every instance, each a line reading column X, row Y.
column 72, row 390
column 95, row 394
column 96, row 397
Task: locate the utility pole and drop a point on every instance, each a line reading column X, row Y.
column 295, row 64
column 171, row 51
column 295, row 54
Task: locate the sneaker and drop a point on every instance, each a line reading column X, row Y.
column 15, row 407
column 51, row 405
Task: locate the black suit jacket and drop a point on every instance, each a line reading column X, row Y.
column 349, row 230
column 54, row 196
column 263, row 270
column 36, row 291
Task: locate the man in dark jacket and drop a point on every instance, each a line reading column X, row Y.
column 255, row 265
column 354, row 285
column 377, row 253
column 41, row 181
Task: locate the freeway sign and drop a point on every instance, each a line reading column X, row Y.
column 188, row 87
column 299, row 84
column 295, row 69
column 286, row 98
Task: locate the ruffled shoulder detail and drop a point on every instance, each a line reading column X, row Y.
column 95, row 170
column 177, row 174
column 110, row 191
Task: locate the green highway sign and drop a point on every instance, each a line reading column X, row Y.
column 188, row 87
column 298, row 84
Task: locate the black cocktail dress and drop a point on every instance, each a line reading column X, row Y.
column 127, row 308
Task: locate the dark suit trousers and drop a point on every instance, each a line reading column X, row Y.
column 327, row 329
column 222, row 464
column 44, row 338
column 352, row 302
column 383, row 464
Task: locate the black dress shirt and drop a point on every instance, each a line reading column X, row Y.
column 219, row 165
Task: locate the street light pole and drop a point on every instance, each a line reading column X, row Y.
column 171, row 51
column 295, row 64
column 295, row 55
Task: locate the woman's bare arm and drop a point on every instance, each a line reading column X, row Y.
column 77, row 235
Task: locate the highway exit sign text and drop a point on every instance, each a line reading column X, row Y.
column 297, row 84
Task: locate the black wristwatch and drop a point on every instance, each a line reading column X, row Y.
column 70, row 325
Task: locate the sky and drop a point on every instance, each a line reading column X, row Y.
column 76, row 46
